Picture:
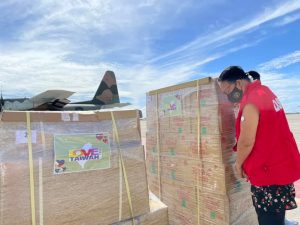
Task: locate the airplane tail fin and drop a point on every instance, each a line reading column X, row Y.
column 107, row 92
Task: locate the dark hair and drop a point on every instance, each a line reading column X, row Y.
column 255, row 75
column 233, row 73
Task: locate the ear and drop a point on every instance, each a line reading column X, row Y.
column 239, row 84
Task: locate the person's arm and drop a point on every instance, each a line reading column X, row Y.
column 249, row 123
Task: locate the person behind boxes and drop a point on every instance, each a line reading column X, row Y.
column 267, row 153
column 255, row 75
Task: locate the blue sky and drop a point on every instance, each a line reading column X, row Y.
column 149, row 44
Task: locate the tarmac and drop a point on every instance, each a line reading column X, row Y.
column 295, row 213
column 294, row 123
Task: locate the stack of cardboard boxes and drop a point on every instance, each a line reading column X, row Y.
column 81, row 168
column 190, row 136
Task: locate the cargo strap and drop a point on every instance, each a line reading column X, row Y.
column 158, row 149
column 41, row 197
column 31, row 174
column 198, row 151
column 121, row 162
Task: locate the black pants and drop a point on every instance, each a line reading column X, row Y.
column 270, row 218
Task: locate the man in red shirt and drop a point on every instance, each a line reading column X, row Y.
column 266, row 149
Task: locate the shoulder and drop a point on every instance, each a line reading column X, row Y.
column 260, row 96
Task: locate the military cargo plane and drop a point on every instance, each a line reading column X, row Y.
column 106, row 96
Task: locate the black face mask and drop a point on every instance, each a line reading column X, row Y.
column 235, row 96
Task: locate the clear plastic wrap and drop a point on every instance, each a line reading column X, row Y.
column 158, row 214
column 99, row 195
column 190, row 138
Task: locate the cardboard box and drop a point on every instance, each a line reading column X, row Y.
column 213, row 208
column 78, row 191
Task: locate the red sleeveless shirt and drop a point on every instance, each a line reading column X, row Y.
column 274, row 159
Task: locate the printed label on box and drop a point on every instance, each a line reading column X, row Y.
column 21, row 136
column 81, row 152
column 171, row 106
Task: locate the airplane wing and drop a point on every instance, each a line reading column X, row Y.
column 51, row 100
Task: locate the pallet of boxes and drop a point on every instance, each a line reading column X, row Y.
column 79, row 168
column 189, row 140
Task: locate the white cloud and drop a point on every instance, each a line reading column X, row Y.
column 232, row 31
column 288, row 19
column 284, row 87
column 53, row 50
column 281, row 62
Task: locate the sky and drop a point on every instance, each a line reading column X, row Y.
column 149, row 44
